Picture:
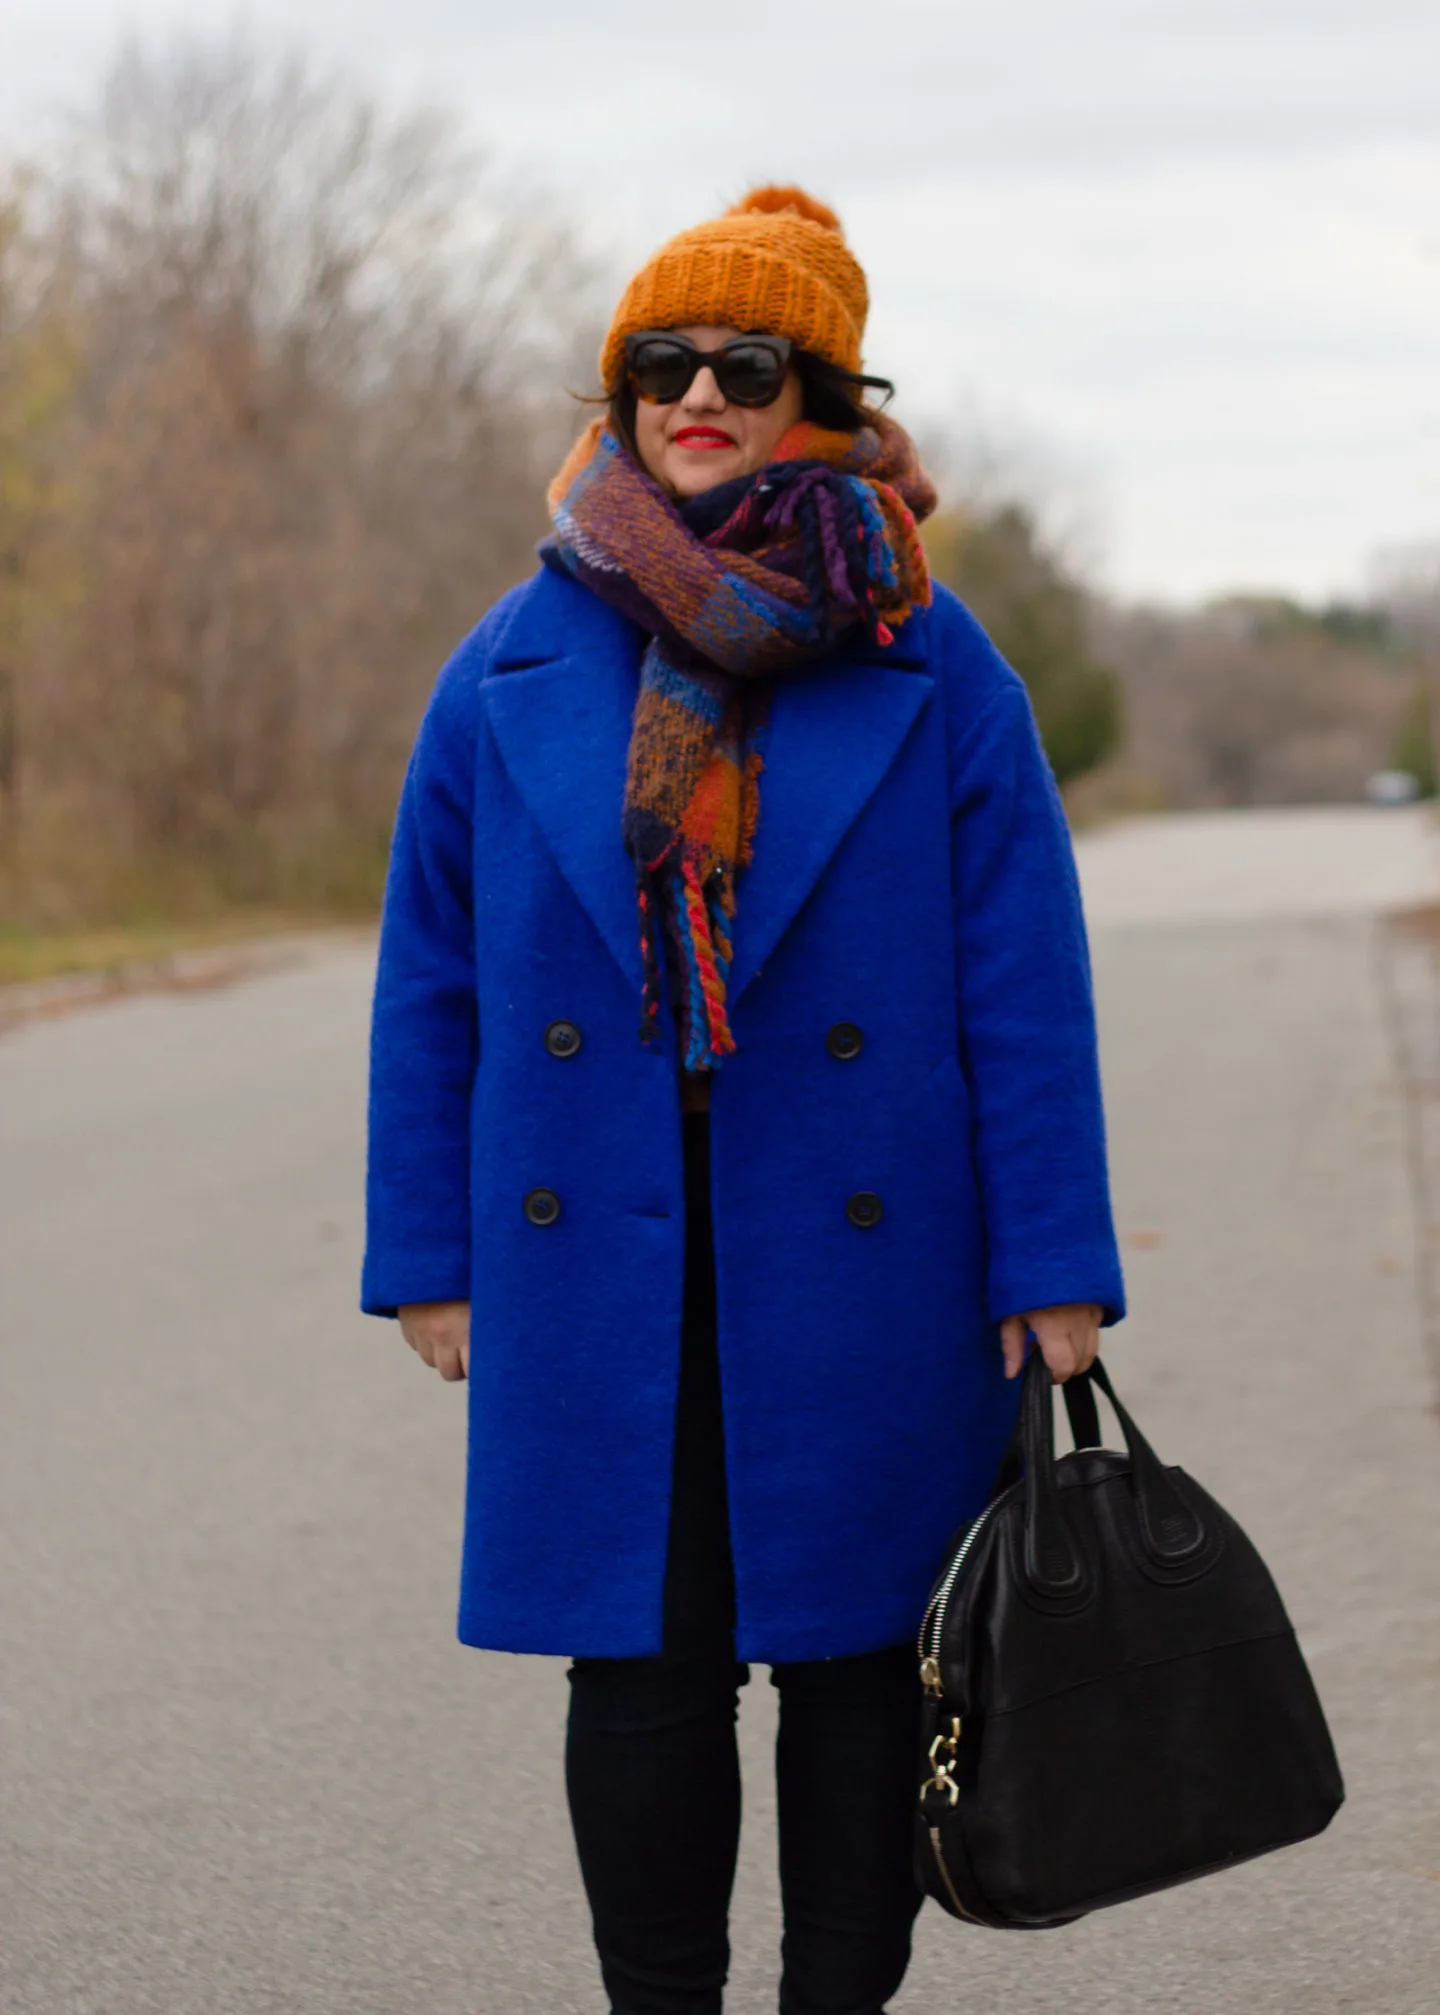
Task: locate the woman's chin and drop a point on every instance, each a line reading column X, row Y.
column 690, row 475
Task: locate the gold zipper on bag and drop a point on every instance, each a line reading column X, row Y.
column 939, row 1854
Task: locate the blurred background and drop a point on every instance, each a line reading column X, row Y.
column 291, row 307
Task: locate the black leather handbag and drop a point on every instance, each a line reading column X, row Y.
column 1114, row 1698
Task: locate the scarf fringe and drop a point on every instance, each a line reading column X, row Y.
column 696, row 911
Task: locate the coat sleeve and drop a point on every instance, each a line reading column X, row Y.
column 424, row 1038
column 1027, row 1019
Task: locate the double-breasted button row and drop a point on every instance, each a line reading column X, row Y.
column 562, row 1039
column 864, row 1209
column 845, row 1042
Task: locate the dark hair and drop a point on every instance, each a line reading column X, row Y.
column 833, row 398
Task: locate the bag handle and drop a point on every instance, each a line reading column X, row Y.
column 1084, row 1427
column 1054, row 1565
column 1170, row 1526
column 1084, row 1413
column 1171, row 1530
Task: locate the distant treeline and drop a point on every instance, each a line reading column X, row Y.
column 282, row 377
column 1258, row 700
column 1247, row 700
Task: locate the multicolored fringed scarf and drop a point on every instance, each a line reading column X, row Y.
column 820, row 543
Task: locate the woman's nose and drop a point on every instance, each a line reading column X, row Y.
column 704, row 395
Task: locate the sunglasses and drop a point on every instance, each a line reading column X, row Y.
column 750, row 370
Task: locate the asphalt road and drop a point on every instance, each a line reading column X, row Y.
column 247, row 1768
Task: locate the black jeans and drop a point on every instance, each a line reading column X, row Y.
column 654, row 1778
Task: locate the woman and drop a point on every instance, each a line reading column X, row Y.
column 735, row 1113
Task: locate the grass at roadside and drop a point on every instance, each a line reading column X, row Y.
column 28, row 955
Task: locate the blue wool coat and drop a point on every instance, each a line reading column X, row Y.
column 913, row 876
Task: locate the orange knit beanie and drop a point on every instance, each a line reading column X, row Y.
column 776, row 263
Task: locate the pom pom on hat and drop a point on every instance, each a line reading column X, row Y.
column 776, row 263
column 775, row 198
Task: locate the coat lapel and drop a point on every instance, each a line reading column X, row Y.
column 560, row 701
column 834, row 732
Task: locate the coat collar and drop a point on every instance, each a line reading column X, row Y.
column 560, row 699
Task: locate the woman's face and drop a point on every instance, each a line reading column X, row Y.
column 702, row 439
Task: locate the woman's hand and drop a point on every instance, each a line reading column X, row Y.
column 439, row 1333
column 1068, row 1337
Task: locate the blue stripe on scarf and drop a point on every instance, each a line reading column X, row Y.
column 737, row 621
column 658, row 675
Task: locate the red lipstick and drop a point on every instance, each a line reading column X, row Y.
column 703, row 438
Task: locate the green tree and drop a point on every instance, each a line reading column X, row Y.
column 1035, row 611
column 1413, row 748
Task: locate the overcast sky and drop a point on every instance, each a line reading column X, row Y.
column 1186, row 255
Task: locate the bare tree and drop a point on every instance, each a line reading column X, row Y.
column 322, row 386
column 37, row 372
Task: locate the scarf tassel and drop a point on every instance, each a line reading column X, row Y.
column 704, row 947
column 846, row 548
column 696, row 914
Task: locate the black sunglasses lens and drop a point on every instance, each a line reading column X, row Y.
column 750, row 374
column 661, row 371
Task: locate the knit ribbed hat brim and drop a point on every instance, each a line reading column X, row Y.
column 777, row 263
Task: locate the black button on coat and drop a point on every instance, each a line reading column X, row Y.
column 845, row 1041
column 864, row 1209
column 562, row 1038
column 542, row 1206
